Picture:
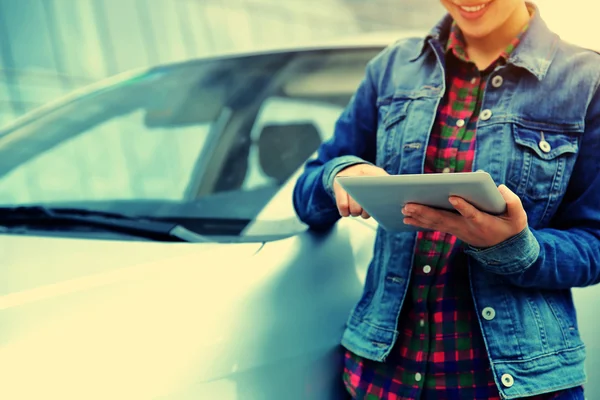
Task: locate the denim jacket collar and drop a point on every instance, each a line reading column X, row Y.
column 535, row 52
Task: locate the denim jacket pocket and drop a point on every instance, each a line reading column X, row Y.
column 563, row 309
column 392, row 115
column 540, row 167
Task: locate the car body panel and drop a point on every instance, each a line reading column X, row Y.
column 104, row 319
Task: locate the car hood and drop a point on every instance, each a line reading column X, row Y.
column 135, row 315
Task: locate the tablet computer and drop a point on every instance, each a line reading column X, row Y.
column 384, row 196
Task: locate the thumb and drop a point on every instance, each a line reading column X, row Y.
column 514, row 207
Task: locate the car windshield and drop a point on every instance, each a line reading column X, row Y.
column 205, row 139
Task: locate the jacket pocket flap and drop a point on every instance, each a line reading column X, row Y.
column 547, row 145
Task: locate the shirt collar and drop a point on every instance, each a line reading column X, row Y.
column 537, row 46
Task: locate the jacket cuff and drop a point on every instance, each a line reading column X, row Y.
column 334, row 166
column 512, row 256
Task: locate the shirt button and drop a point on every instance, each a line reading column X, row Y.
column 507, row 380
column 427, row 269
column 473, row 81
column 489, row 313
column 486, row 114
column 422, row 323
column 460, row 123
column 446, row 170
column 497, row 81
column 418, row 377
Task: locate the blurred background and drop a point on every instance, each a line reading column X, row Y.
column 51, row 47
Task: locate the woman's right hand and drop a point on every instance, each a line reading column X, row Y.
column 346, row 205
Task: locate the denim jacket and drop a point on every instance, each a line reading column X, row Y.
column 539, row 134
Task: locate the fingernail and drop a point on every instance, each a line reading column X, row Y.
column 453, row 201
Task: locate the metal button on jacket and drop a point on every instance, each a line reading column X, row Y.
column 497, row 81
column 507, row 380
column 489, row 313
column 545, row 146
column 486, row 114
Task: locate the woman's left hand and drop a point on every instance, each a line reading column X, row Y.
column 471, row 226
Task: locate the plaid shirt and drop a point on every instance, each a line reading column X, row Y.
column 440, row 352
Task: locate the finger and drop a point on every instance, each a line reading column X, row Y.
column 465, row 209
column 365, row 215
column 418, row 223
column 413, row 222
column 514, row 207
column 342, row 201
column 355, row 208
column 431, row 218
column 423, row 223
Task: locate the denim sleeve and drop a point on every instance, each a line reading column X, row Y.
column 566, row 255
column 353, row 142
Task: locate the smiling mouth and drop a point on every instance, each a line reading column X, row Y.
column 473, row 9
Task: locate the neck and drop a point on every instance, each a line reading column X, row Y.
column 489, row 47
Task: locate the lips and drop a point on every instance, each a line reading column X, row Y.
column 474, row 8
column 473, row 11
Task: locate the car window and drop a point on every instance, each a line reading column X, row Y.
column 284, row 114
column 211, row 139
column 115, row 160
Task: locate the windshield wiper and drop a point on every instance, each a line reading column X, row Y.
column 114, row 222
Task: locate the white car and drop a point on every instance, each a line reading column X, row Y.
column 149, row 245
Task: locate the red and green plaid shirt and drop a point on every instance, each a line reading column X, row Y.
column 440, row 352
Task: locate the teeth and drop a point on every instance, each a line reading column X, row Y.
column 474, row 8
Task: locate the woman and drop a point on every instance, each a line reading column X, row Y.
column 480, row 306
